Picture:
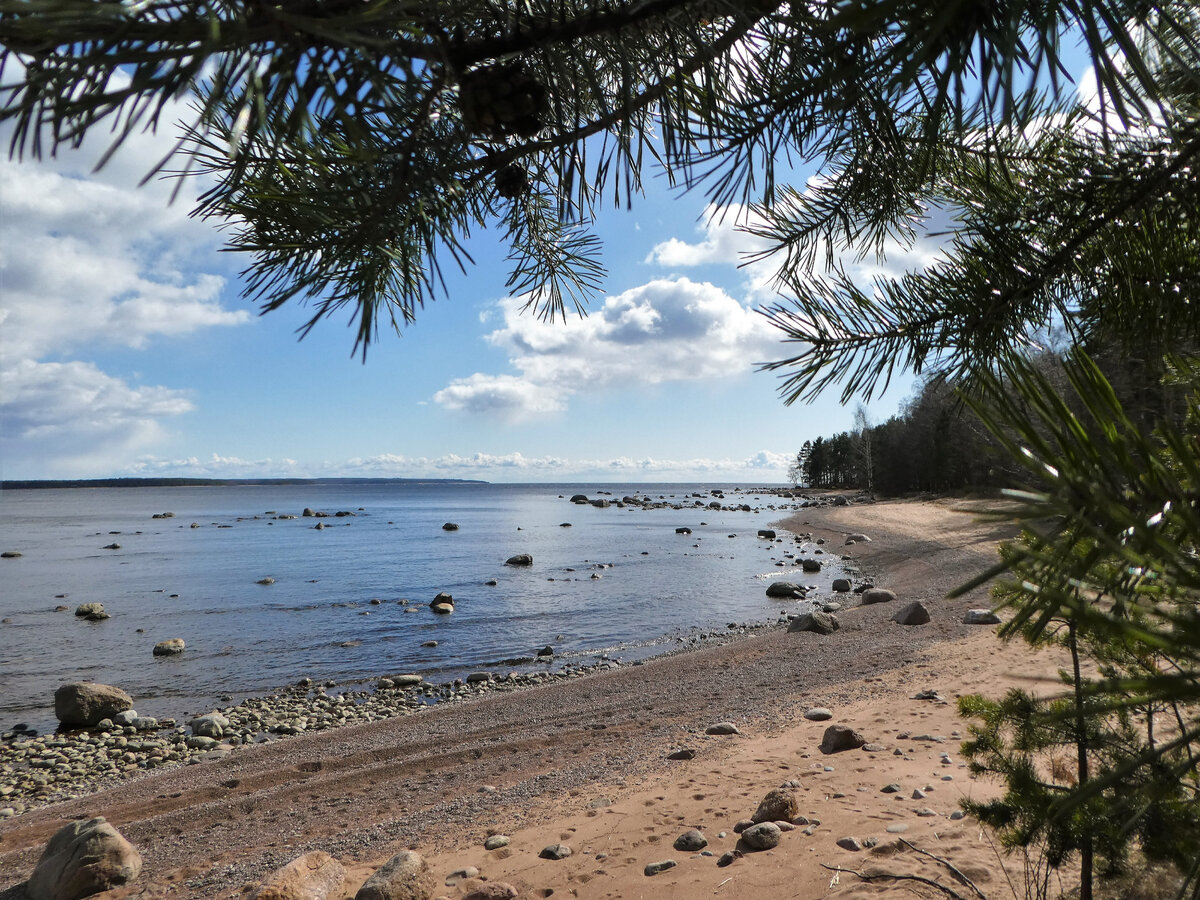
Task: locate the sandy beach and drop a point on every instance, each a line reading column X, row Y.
column 584, row 763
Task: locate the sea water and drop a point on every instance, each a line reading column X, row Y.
column 616, row 582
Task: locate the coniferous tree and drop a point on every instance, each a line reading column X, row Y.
column 354, row 147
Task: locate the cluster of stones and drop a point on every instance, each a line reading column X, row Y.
column 109, row 740
column 713, row 500
column 112, row 861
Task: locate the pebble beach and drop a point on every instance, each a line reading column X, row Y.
column 560, row 754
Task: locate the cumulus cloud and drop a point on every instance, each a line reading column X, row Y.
column 88, row 260
column 667, row 330
column 78, row 418
column 87, row 264
column 505, row 395
column 725, row 242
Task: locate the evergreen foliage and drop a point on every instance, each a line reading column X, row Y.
column 1106, row 566
column 354, row 148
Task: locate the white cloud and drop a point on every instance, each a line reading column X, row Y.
column 667, row 330
column 88, row 260
column 76, row 418
column 505, row 395
column 726, row 242
column 765, row 466
column 84, row 264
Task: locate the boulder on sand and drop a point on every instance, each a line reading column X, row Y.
column 81, row 859
column 405, row 876
column 82, row 704
column 913, row 614
column 877, row 595
column 841, row 737
column 779, row 805
column 313, row 876
column 981, row 617
column 820, row 622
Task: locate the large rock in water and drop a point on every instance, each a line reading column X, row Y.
column 405, row 876
column 521, row 559
column 83, row 858
column 82, row 704
column 169, row 647
column 820, row 622
column 785, row 589
column 443, row 603
column 313, row 876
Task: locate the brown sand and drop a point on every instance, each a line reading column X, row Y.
column 583, row 762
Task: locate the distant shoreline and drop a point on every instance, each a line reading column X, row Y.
column 42, row 483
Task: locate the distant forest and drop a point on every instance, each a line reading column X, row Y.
column 936, row 444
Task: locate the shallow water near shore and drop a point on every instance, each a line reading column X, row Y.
column 619, row 582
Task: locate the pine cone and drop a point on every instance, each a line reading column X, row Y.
column 512, row 181
column 503, row 100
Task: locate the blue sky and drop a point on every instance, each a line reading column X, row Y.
column 126, row 349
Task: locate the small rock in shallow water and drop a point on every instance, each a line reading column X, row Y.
column 169, row 647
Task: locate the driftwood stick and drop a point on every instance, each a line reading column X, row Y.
column 948, row 891
column 949, row 865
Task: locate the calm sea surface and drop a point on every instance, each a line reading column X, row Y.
column 169, row 579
